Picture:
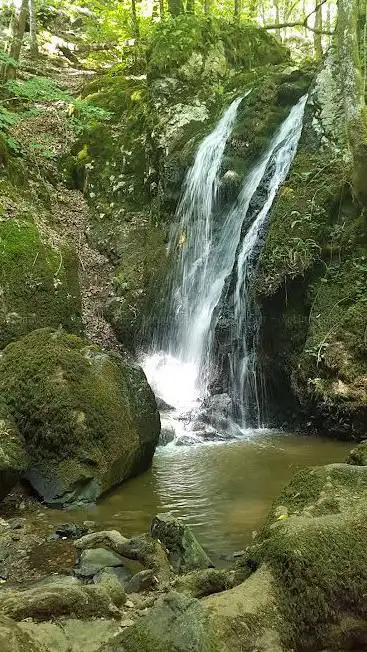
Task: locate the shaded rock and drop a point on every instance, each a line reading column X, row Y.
column 94, row 560
column 184, row 551
column 61, row 596
column 176, row 622
column 121, row 573
column 141, row 581
column 13, row 458
column 167, row 435
column 358, row 455
column 89, row 419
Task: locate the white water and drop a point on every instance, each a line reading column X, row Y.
column 244, row 377
column 206, row 242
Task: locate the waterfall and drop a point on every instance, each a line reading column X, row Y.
column 206, row 242
column 245, row 383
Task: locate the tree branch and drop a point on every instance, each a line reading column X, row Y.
column 302, row 23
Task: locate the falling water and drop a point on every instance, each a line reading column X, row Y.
column 206, row 242
column 243, row 362
column 179, row 370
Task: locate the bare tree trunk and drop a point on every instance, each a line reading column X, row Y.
column 161, row 9
column 17, row 27
column 304, row 13
column 33, row 28
column 317, row 38
column 175, row 7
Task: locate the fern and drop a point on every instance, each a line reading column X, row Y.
column 37, row 89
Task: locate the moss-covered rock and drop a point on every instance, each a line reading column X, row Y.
column 175, row 623
column 38, row 281
column 313, row 544
column 13, row 458
column 184, row 551
column 89, row 420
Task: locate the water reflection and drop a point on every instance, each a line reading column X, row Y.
column 223, row 491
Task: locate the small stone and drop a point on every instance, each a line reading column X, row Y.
column 94, row 560
column 129, row 604
column 127, row 622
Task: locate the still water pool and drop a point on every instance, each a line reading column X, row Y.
column 223, row 491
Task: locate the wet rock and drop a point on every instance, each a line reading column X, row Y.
column 176, row 622
column 167, row 435
column 162, row 405
column 184, row 551
column 141, row 581
column 61, row 596
column 94, row 560
column 204, row 582
column 68, row 531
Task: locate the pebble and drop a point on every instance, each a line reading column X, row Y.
column 127, row 622
column 129, row 604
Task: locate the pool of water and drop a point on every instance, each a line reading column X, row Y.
column 223, row 491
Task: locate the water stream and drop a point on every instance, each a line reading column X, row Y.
column 209, row 244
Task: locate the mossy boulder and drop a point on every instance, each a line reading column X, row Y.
column 89, row 420
column 176, row 622
column 313, row 545
column 38, row 282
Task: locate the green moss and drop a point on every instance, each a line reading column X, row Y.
column 318, row 563
column 358, row 455
column 39, row 285
column 77, row 408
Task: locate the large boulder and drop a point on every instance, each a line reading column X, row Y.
column 89, row 420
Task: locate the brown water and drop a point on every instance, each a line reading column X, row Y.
column 223, row 491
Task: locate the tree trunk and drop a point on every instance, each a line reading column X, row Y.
column 161, row 9
column 237, row 9
column 190, row 6
column 17, row 27
column 33, row 28
column 175, row 7
column 135, row 20
column 317, row 37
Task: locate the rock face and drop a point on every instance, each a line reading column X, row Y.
column 135, row 172
column 312, row 275
column 88, row 419
column 184, row 551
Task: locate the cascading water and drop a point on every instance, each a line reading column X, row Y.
column 208, row 241
column 179, row 370
column 245, row 382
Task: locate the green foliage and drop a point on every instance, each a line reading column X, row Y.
column 86, row 116
column 6, row 60
column 37, row 89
